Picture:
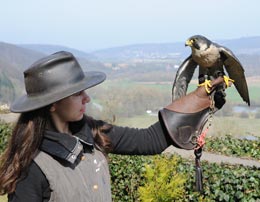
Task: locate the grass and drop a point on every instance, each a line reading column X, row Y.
column 237, row 127
column 234, row 126
column 137, row 121
column 232, row 94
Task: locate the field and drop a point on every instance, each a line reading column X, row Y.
column 232, row 94
column 234, row 126
column 221, row 125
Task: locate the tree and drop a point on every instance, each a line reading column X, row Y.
column 7, row 90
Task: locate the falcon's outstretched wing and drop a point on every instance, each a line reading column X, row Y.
column 183, row 77
column 235, row 72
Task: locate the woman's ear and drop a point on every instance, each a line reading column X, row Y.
column 53, row 108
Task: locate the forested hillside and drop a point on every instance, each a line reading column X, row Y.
column 140, row 62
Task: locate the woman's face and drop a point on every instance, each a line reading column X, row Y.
column 71, row 108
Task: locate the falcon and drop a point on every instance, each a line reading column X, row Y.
column 211, row 59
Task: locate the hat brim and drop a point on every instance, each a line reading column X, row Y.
column 28, row 103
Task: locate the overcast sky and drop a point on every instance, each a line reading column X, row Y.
column 96, row 24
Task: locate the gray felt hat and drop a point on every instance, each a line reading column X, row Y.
column 53, row 78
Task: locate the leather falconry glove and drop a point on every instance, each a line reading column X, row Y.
column 185, row 117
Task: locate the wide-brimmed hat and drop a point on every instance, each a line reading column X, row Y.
column 53, row 78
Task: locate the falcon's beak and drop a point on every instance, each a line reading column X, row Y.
column 189, row 42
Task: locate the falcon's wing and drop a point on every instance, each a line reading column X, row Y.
column 235, row 72
column 183, row 77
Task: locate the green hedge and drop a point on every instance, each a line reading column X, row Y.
column 5, row 132
column 126, row 176
column 221, row 182
column 234, row 147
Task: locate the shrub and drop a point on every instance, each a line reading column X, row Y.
column 5, row 132
column 220, row 182
column 163, row 182
column 126, row 176
column 228, row 145
column 4, row 109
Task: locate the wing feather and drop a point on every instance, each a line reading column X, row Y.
column 236, row 72
column 183, row 78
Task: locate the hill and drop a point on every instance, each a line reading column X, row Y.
column 165, row 50
column 139, row 62
column 15, row 59
column 247, row 50
column 140, row 59
column 246, row 46
column 49, row 49
column 240, row 46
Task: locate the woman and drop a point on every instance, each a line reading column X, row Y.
column 56, row 152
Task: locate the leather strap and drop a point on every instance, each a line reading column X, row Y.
column 198, row 170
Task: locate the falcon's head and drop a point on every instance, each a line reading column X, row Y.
column 198, row 42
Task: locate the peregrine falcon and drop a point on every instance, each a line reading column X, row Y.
column 211, row 58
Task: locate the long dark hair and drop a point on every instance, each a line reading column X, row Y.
column 22, row 148
column 99, row 130
column 26, row 138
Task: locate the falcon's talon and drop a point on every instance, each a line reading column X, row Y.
column 227, row 80
column 207, row 85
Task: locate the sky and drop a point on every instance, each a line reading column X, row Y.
column 96, row 24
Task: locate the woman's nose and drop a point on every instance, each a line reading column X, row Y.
column 86, row 98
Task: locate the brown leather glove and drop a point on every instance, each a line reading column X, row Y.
column 185, row 118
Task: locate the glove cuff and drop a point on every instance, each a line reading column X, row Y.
column 183, row 128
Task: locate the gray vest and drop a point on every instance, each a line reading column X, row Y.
column 89, row 181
